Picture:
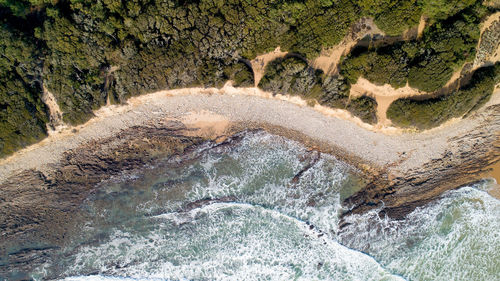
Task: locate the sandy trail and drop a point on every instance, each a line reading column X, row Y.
column 384, row 95
column 329, row 59
column 55, row 114
column 214, row 108
column 421, row 26
column 416, row 31
column 260, row 62
column 489, row 21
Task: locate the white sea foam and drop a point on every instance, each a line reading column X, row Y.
column 230, row 241
column 261, row 175
column 280, row 229
column 454, row 238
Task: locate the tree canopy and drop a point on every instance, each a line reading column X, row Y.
column 86, row 51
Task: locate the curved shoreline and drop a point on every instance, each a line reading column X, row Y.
column 44, row 184
column 388, row 147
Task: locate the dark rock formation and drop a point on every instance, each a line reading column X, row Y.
column 42, row 207
column 467, row 156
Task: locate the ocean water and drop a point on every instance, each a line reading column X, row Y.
column 267, row 208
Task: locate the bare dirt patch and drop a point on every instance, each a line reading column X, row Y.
column 260, row 62
column 329, row 59
column 384, row 95
column 55, row 113
column 205, row 124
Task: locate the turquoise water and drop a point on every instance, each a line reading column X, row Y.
column 256, row 216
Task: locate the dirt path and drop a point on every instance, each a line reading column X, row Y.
column 384, row 95
column 260, row 62
column 55, row 114
column 329, row 59
column 251, row 104
column 379, row 146
column 421, row 26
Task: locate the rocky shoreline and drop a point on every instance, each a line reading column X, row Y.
column 466, row 158
column 41, row 204
column 36, row 206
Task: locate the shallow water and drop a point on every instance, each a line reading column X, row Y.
column 268, row 209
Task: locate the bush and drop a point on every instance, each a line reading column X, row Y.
column 426, row 64
column 163, row 44
column 425, row 114
column 23, row 115
column 292, row 75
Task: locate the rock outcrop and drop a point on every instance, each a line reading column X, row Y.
column 465, row 158
column 42, row 207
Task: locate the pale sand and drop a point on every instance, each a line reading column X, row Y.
column 260, row 62
column 421, row 26
column 495, row 57
column 329, row 59
column 489, row 21
column 379, row 144
column 378, row 147
column 384, row 95
column 494, row 173
column 55, row 113
column 415, row 32
column 205, row 124
column 492, row 3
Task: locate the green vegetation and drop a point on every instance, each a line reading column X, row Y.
column 426, row 64
column 443, row 9
column 391, row 16
column 22, row 113
column 86, row 51
column 425, row 114
column 292, row 75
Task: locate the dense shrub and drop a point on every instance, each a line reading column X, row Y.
column 393, row 16
column 292, row 75
column 426, row 64
column 22, row 113
column 425, row 114
column 365, row 108
column 71, row 46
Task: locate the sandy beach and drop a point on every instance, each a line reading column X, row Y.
column 211, row 111
column 391, row 148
